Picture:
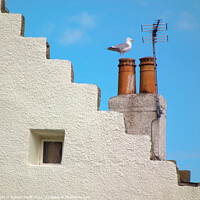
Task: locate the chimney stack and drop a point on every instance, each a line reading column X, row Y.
column 140, row 110
column 147, row 75
column 126, row 81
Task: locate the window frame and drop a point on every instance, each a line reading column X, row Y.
column 42, row 140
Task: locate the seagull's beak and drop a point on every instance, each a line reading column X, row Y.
column 132, row 40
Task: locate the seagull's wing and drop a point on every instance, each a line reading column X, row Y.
column 118, row 47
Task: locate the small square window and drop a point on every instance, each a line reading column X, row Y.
column 51, row 151
column 46, row 146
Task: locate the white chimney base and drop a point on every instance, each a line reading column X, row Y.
column 141, row 119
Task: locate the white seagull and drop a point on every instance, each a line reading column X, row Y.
column 123, row 47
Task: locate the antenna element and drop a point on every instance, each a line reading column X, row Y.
column 154, row 28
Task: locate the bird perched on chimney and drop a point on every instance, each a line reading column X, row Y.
column 123, row 47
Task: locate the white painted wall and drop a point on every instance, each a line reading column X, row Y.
column 100, row 161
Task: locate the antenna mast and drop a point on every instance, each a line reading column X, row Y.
column 154, row 28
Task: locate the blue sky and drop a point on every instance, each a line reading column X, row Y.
column 81, row 30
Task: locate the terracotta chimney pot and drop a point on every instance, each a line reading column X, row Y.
column 126, row 81
column 147, row 75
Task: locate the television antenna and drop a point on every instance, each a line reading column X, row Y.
column 154, row 28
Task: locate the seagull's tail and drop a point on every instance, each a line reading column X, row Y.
column 113, row 49
column 110, row 48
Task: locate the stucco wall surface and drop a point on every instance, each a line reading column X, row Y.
column 140, row 113
column 100, row 161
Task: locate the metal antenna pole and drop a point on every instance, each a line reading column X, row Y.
column 154, row 34
column 154, row 28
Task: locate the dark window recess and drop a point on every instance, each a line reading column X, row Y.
column 52, row 152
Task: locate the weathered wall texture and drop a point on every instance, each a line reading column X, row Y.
column 100, row 161
column 141, row 119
